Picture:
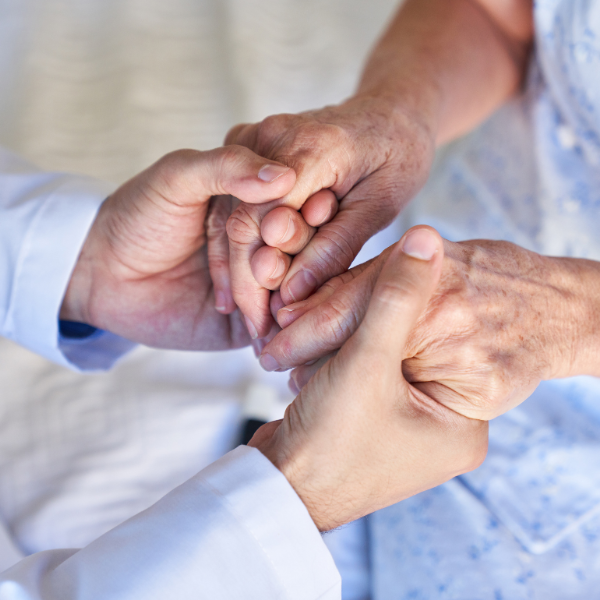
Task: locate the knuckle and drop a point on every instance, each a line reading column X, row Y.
column 177, row 157
column 454, row 313
column 242, row 226
column 218, row 261
column 319, row 138
column 334, row 252
column 313, row 132
column 171, row 166
column 235, row 132
column 335, row 318
column 337, row 135
column 272, row 127
column 227, row 159
column 228, row 153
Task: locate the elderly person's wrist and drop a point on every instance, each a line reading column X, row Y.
column 402, row 107
column 402, row 123
column 575, row 333
column 409, row 99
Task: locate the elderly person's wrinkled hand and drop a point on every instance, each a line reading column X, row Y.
column 422, row 85
column 366, row 153
column 143, row 272
column 501, row 320
column 359, row 436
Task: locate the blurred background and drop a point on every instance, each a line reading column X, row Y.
column 105, row 87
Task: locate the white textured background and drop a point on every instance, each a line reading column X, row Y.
column 105, row 87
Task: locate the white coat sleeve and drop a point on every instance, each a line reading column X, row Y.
column 44, row 220
column 237, row 530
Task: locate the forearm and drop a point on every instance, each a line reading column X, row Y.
column 451, row 63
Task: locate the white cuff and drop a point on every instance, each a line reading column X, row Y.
column 235, row 530
column 46, row 260
column 259, row 496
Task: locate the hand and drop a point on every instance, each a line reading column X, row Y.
column 440, row 69
column 143, row 271
column 368, row 152
column 501, row 320
column 359, row 436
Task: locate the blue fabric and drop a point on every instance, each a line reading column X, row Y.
column 75, row 331
column 526, row 524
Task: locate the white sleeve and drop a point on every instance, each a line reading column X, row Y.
column 235, row 530
column 44, row 220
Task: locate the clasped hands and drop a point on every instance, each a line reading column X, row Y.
column 400, row 362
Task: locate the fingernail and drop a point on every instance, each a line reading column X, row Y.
column 421, row 244
column 220, row 301
column 293, row 387
column 268, row 363
column 279, row 269
column 289, row 232
column 258, row 347
column 270, row 173
column 285, row 316
column 251, row 329
column 301, row 285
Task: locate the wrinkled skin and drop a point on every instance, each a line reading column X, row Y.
column 438, row 70
column 143, row 272
column 501, row 320
column 372, row 156
column 359, row 436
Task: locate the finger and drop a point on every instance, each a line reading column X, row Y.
column 321, row 154
column 325, row 328
column 269, row 266
column 245, row 239
column 276, row 303
column 285, row 228
column 238, row 134
column 402, row 292
column 336, row 244
column 243, row 231
column 324, row 165
column 275, row 329
column 259, row 344
column 192, row 177
column 300, row 376
column 320, row 208
column 218, row 253
column 286, row 315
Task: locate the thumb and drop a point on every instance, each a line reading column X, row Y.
column 402, row 292
column 190, row 177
